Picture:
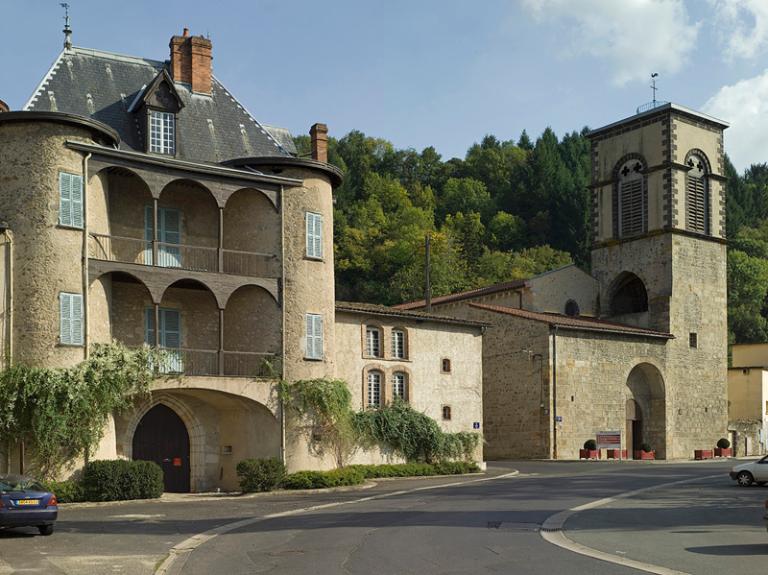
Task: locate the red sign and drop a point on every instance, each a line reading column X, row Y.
column 608, row 439
column 177, row 461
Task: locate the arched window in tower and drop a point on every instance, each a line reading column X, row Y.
column 628, row 295
column 631, row 196
column 571, row 308
column 696, row 195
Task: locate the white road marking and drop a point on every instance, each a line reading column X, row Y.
column 552, row 530
column 180, row 553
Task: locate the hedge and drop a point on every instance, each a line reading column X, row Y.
column 119, row 479
column 69, row 491
column 323, row 479
column 260, row 474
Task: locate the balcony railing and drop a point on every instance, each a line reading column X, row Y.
column 182, row 256
column 185, row 361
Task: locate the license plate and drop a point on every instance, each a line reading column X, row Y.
column 28, row 502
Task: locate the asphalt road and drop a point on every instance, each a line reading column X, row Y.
column 480, row 527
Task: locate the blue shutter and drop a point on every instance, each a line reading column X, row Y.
column 169, row 232
column 170, row 328
column 149, row 236
column 318, row 331
column 65, row 318
column 310, row 336
column 149, row 326
column 77, row 319
column 318, row 239
column 65, row 199
column 76, row 189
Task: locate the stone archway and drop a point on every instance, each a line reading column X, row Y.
column 646, row 409
column 162, row 437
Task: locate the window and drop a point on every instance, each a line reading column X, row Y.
column 693, row 339
column 628, row 295
column 398, row 344
column 447, row 412
column 162, row 132
column 70, row 200
column 314, row 225
column 399, row 385
column 71, row 318
column 373, row 342
column 446, row 365
column 696, row 196
column 374, row 389
column 314, row 336
column 571, row 308
column 168, row 236
column 631, row 200
column 169, row 337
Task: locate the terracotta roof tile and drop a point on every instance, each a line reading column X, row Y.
column 375, row 309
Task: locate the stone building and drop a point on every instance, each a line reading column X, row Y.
column 141, row 202
column 639, row 345
column 748, row 398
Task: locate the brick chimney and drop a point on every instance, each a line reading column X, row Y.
column 4, row 107
column 318, row 134
column 191, row 61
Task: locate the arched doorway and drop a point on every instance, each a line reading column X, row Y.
column 646, row 409
column 162, row 437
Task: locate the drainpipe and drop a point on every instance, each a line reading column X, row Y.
column 8, row 234
column 553, row 329
column 86, row 279
column 284, row 377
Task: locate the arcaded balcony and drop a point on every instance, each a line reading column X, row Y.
column 186, row 227
column 201, row 335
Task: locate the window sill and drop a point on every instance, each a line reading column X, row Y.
column 314, row 258
column 71, row 345
column 306, row 358
column 73, row 228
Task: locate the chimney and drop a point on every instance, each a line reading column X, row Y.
column 318, row 134
column 4, row 107
column 191, row 61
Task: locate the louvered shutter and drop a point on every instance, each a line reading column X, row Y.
column 314, row 336
column 170, row 328
column 696, row 200
column 65, row 199
column 318, row 336
column 632, row 207
column 308, row 224
column 76, row 189
column 318, row 236
column 65, row 318
column 310, row 336
column 169, row 232
column 149, row 237
column 77, row 319
column 149, row 326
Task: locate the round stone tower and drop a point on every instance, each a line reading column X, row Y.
column 43, row 257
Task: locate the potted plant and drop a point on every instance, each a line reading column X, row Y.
column 615, row 453
column 723, row 448
column 645, row 452
column 590, row 450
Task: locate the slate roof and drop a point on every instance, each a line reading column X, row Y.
column 375, row 309
column 574, row 322
column 102, row 85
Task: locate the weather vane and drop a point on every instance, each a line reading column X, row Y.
column 653, row 86
column 67, row 29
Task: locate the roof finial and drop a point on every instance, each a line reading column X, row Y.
column 653, row 86
column 67, row 28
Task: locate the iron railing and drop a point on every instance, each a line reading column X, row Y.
column 210, row 362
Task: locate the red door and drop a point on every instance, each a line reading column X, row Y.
column 162, row 437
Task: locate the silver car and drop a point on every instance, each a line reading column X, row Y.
column 746, row 474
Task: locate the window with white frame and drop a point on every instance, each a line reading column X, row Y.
column 71, row 318
column 314, row 336
column 373, row 342
column 162, row 132
column 374, row 389
column 70, row 200
column 314, row 225
column 399, row 350
column 399, row 385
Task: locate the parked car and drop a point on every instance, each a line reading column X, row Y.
column 26, row 503
column 766, row 513
column 746, row 474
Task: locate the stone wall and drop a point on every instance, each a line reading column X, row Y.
column 549, row 292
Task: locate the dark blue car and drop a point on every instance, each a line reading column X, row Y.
column 25, row 503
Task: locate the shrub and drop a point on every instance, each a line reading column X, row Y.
column 260, row 474
column 723, row 443
column 119, row 479
column 323, row 479
column 69, row 491
column 647, row 447
column 590, row 444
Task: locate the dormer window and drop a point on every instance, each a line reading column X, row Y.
column 162, row 132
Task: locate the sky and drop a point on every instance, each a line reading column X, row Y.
column 440, row 73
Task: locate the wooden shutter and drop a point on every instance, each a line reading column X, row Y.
column 65, row 318
column 170, row 229
column 149, row 326
column 696, row 204
column 314, row 233
column 632, row 207
column 65, row 199
column 170, row 328
column 76, row 187
column 318, row 236
column 314, row 336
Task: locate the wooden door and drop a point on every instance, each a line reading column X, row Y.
column 162, row 437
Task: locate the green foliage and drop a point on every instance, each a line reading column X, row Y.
column 120, row 479
column 70, row 491
column 417, row 469
column 324, row 479
column 412, row 434
column 723, row 443
column 647, row 447
column 60, row 413
column 323, row 408
column 260, row 474
column 590, row 444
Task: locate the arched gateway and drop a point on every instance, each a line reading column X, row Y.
column 162, row 437
column 646, row 410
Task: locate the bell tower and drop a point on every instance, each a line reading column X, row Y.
column 659, row 254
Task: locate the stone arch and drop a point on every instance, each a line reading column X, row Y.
column 627, row 295
column 701, row 154
column 193, row 283
column 192, row 423
column 646, row 408
column 118, row 294
column 116, row 199
column 251, row 321
column 251, row 224
column 198, row 210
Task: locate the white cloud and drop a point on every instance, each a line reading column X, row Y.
column 742, row 26
column 745, row 106
column 636, row 37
